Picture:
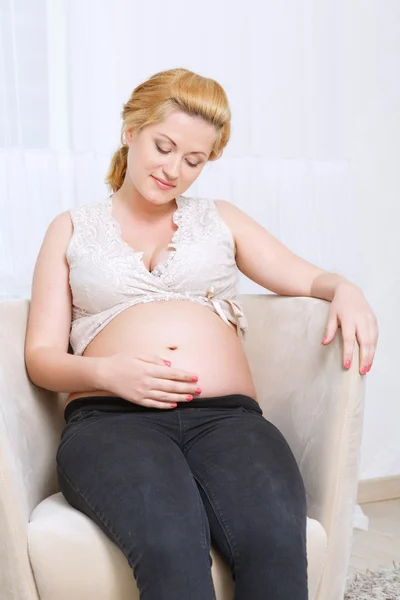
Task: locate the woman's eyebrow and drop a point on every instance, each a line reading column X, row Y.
column 167, row 136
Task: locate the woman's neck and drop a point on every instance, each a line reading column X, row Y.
column 137, row 205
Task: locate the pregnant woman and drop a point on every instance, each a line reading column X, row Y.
column 165, row 445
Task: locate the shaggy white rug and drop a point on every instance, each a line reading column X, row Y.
column 375, row 585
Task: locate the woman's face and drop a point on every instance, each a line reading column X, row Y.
column 177, row 161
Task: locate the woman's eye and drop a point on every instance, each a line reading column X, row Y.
column 162, row 151
column 167, row 151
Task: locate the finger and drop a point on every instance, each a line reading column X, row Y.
column 367, row 336
column 153, row 404
column 330, row 329
column 348, row 334
column 162, row 396
column 369, row 348
column 374, row 335
column 155, row 360
column 363, row 339
column 174, row 387
column 170, row 373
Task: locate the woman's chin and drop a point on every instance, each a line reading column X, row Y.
column 159, row 197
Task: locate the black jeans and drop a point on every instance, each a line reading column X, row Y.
column 165, row 484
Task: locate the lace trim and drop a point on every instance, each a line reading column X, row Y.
column 178, row 217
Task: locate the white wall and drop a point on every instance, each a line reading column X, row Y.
column 314, row 92
column 374, row 134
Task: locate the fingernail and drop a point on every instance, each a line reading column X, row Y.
column 364, row 370
column 167, row 362
column 189, row 397
column 195, row 378
column 197, row 391
column 325, row 339
column 369, row 368
column 173, row 405
column 347, row 364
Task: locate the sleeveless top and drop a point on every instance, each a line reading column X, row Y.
column 107, row 275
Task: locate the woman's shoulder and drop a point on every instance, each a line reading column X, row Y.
column 217, row 206
column 88, row 207
column 208, row 201
column 88, row 214
column 198, row 202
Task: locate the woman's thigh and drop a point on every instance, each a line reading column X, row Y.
column 128, row 474
column 255, row 500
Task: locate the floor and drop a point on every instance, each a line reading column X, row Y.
column 379, row 546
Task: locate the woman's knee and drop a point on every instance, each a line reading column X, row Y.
column 278, row 543
column 279, row 527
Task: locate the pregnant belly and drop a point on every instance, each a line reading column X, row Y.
column 190, row 335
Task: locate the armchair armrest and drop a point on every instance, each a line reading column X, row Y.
column 31, row 420
column 318, row 406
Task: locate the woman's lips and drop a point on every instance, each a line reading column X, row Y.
column 161, row 185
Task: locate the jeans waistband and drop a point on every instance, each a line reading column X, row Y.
column 117, row 404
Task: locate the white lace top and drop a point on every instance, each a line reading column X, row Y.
column 107, row 275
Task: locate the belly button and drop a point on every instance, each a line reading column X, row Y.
column 172, row 347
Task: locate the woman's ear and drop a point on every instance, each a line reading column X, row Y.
column 129, row 135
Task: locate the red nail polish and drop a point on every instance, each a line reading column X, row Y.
column 195, row 378
column 167, row 362
column 197, row 391
column 189, row 397
column 364, row 370
column 347, row 364
column 173, row 405
column 369, row 368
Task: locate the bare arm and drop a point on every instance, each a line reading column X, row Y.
column 264, row 259
column 46, row 346
column 141, row 379
column 58, row 371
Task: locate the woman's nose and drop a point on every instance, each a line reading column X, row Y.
column 171, row 168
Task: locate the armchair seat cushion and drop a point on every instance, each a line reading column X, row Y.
column 71, row 557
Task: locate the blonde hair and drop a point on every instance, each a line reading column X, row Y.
column 153, row 100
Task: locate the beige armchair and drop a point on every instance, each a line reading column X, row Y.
column 50, row 551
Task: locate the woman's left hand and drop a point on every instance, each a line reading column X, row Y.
column 351, row 311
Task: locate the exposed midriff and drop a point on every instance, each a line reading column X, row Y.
column 193, row 337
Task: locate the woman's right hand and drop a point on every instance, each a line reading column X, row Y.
column 146, row 380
